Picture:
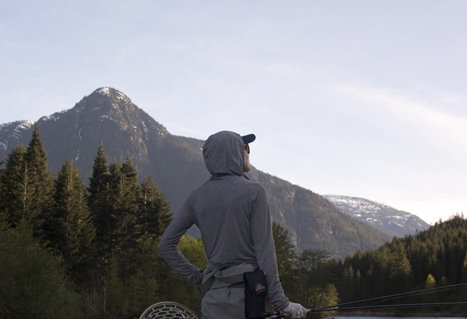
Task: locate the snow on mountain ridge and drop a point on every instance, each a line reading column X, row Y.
column 379, row 215
column 13, row 132
column 104, row 91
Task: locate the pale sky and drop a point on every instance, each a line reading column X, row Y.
column 356, row 98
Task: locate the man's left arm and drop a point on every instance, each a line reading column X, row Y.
column 168, row 247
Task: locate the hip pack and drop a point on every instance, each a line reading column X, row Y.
column 255, row 294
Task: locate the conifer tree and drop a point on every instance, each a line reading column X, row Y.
column 115, row 209
column 40, row 181
column 75, row 230
column 154, row 213
column 15, row 189
column 285, row 258
column 348, row 283
column 100, row 175
column 311, row 274
column 123, row 193
column 98, row 197
column 100, row 211
column 400, row 276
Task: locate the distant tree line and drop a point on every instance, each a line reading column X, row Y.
column 433, row 258
column 67, row 250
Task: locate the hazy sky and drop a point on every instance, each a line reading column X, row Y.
column 357, row 98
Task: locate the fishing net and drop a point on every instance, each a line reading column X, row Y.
column 168, row 309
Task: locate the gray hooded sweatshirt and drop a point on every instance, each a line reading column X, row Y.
column 232, row 213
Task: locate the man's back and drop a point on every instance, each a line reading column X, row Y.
column 232, row 213
column 223, row 209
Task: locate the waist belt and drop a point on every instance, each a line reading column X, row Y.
column 224, row 278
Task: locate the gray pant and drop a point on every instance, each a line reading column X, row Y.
column 226, row 299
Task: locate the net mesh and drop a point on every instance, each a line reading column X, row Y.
column 168, row 310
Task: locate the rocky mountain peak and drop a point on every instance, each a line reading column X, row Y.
column 108, row 117
column 105, row 100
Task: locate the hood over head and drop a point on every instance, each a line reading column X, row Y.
column 223, row 153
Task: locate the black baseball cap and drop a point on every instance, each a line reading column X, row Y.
column 247, row 139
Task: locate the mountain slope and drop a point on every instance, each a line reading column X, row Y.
column 108, row 116
column 313, row 221
column 11, row 133
column 383, row 217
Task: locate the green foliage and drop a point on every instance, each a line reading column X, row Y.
column 184, row 291
column 306, row 278
column 72, row 229
column 435, row 257
column 193, row 250
column 122, row 205
column 116, row 269
column 93, row 253
column 154, row 213
column 26, row 186
column 430, row 282
column 314, row 280
column 14, row 185
column 114, row 289
column 40, row 183
column 286, row 257
column 400, row 272
column 30, row 282
column 98, row 183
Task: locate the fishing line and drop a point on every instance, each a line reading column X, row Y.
column 394, row 306
column 384, row 298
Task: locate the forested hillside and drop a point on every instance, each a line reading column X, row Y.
column 433, row 258
column 91, row 252
column 73, row 251
column 83, row 252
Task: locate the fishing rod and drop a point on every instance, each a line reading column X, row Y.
column 384, row 298
column 395, row 306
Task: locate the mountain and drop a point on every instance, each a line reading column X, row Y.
column 385, row 218
column 11, row 133
column 108, row 116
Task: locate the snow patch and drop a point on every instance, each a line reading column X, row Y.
column 102, row 117
column 24, row 125
column 20, row 127
column 51, row 117
column 104, row 91
column 145, row 129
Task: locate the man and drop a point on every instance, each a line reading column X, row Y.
column 233, row 216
